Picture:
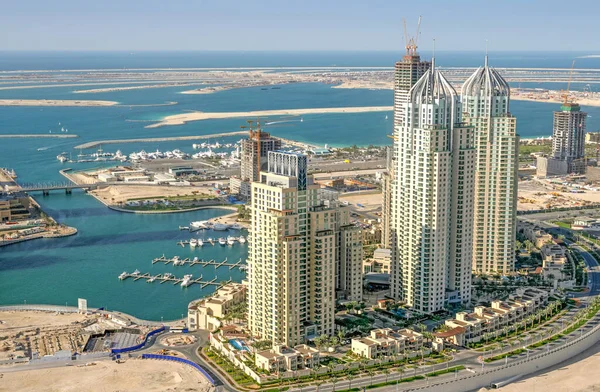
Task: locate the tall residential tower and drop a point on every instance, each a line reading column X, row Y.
column 432, row 198
column 302, row 249
column 486, row 107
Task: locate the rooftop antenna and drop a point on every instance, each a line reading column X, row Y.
column 433, row 58
column 486, row 52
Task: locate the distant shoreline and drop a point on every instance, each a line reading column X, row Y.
column 55, row 102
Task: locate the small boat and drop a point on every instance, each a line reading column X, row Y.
column 135, row 273
column 198, row 224
column 152, row 279
column 200, row 242
column 242, row 239
column 230, row 241
column 193, row 242
column 222, row 241
column 210, row 241
column 184, row 228
column 167, row 275
column 220, row 227
column 186, row 280
column 243, row 267
column 195, row 259
column 123, row 275
column 236, row 226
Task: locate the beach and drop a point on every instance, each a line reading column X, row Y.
column 54, row 102
column 180, row 119
column 132, row 375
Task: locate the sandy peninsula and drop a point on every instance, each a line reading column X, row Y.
column 127, row 88
column 133, row 375
column 53, row 102
column 180, row 119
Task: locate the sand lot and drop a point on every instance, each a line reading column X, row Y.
column 11, row 320
column 115, row 194
column 133, row 375
column 368, row 200
column 579, row 374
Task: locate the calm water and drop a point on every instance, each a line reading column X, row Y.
column 87, row 265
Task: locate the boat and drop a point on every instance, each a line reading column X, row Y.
column 243, row 267
column 210, row 241
column 222, row 241
column 186, row 280
column 236, row 226
column 242, row 239
column 200, row 242
column 193, row 242
column 198, row 225
column 177, row 261
column 123, row 275
column 220, row 227
column 195, row 259
column 152, row 279
column 184, row 228
column 167, row 275
column 386, row 117
column 230, row 241
column 135, row 273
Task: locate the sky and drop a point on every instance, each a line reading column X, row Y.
column 361, row 25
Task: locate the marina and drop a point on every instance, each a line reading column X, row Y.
column 186, row 281
column 200, row 242
column 177, row 261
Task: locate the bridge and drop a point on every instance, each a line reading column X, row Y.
column 46, row 187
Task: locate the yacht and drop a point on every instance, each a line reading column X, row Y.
column 236, row 226
column 123, row 276
column 193, row 242
column 198, row 224
column 242, row 239
column 222, row 241
column 220, row 227
column 186, row 280
column 230, row 241
column 200, row 242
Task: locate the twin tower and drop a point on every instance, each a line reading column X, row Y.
column 452, row 185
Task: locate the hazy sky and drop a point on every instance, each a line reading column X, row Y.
column 297, row 25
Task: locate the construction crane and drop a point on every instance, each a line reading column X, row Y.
column 411, row 42
column 565, row 94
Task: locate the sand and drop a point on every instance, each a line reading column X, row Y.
column 133, row 375
column 369, row 85
column 114, row 89
column 12, row 320
column 557, row 100
column 53, row 102
column 115, row 193
column 579, row 374
column 368, row 200
column 180, row 119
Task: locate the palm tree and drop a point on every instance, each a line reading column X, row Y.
column 333, row 381
column 350, row 377
column 341, row 335
column 371, row 374
column 387, row 373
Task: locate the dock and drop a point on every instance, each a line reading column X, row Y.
column 177, row 261
column 163, row 278
column 214, row 241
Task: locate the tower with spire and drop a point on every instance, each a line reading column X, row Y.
column 432, row 199
column 486, row 105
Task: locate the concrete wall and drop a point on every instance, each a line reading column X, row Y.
column 522, row 367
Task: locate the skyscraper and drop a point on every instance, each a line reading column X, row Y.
column 432, row 204
column 254, row 157
column 406, row 73
column 568, row 137
column 486, row 107
column 298, row 243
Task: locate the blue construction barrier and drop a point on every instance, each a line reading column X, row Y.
column 181, row 360
column 137, row 346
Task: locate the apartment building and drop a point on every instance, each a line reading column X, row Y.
column 282, row 358
column 207, row 313
column 386, row 342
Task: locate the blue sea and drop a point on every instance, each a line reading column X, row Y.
column 87, row 265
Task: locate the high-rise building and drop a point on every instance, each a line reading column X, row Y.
column 432, row 204
column 568, row 143
column 299, row 241
column 486, row 107
column 252, row 162
column 406, row 73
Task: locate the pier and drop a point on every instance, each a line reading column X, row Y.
column 176, row 261
column 167, row 277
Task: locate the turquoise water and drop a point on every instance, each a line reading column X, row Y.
column 87, row 265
